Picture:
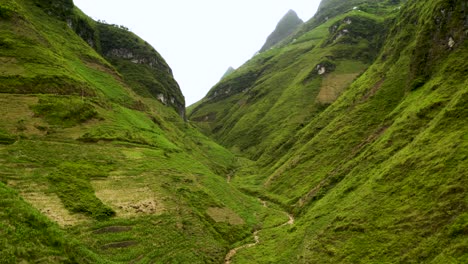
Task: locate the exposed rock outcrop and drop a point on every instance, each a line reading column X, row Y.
column 141, row 66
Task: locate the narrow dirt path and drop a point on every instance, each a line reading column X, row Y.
column 291, row 220
column 233, row 252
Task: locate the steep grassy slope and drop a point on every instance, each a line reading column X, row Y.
column 28, row 235
column 378, row 174
column 88, row 146
column 257, row 108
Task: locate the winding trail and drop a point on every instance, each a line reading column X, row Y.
column 233, row 252
column 291, row 220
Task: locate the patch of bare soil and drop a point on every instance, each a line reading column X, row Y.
column 17, row 116
column 148, row 206
column 10, row 66
column 225, row 215
column 103, row 68
column 333, row 85
column 127, row 200
column 373, row 91
column 51, row 206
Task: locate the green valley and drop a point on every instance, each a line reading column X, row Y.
column 344, row 140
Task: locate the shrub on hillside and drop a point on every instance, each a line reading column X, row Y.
column 65, row 112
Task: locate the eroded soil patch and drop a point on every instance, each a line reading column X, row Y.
column 224, row 215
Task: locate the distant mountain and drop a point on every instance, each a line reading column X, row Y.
column 228, row 71
column 285, row 27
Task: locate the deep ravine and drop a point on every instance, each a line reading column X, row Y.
column 255, row 234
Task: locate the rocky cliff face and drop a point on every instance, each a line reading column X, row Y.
column 141, row 65
column 287, row 25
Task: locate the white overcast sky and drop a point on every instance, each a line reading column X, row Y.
column 199, row 39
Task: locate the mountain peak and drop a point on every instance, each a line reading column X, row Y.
column 286, row 26
column 228, row 71
column 291, row 13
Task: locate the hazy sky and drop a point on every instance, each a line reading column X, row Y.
column 199, row 39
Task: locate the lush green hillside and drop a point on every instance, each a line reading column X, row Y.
column 346, row 142
column 359, row 129
column 29, row 235
column 257, row 108
column 92, row 137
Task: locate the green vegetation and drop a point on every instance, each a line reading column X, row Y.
column 141, row 66
column 28, row 235
column 7, row 10
column 6, row 138
column 345, row 143
column 64, row 111
column 72, row 184
column 239, row 112
column 369, row 153
column 122, row 174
